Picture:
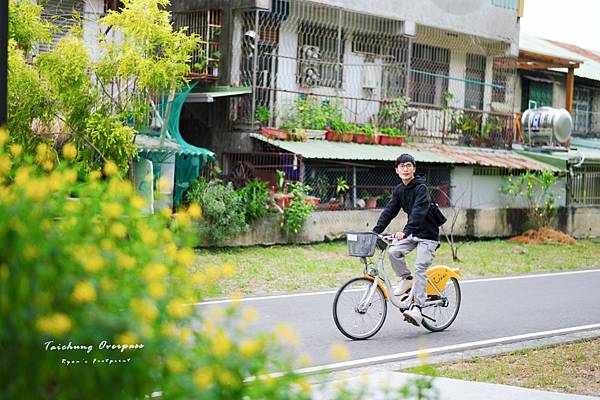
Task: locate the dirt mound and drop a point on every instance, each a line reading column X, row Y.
column 543, row 236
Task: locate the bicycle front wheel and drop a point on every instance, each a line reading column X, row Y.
column 353, row 321
column 442, row 316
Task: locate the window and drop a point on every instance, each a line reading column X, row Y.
column 320, row 56
column 429, row 74
column 114, row 5
column 475, row 76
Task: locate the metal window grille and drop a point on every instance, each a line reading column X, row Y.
column 429, row 72
column 320, row 51
column 585, row 186
column 474, row 74
column 208, row 24
column 63, row 15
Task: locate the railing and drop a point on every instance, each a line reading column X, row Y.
column 509, row 4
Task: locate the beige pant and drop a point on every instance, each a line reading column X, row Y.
column 425, row 254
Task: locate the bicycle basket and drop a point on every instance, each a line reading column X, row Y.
column 361, row 244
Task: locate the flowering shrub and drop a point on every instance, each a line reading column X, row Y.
column 93, row 295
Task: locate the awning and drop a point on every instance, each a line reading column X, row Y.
column 209, row 95
column 151, row 144
column 323, row 149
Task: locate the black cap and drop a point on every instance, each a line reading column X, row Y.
column 404, row 158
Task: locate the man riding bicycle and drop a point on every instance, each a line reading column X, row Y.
column 421, row 232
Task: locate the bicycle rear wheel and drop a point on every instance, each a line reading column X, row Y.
column 352, row 322
column 442, row 316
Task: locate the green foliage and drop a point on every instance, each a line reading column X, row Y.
column 341, row 185
column 223, row 210
column 263, row 115
column 93, row 268
column 64, row 91
column 25, row 25
column 309, row 113
column 255, row 198
column 465, row 123
column 392, row 132
column 295, row 215
column 391, row 113
column 535, row 189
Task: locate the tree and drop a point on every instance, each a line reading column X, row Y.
column 448, row 228
column 98, row 104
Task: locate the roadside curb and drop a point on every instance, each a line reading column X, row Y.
column 432, row 360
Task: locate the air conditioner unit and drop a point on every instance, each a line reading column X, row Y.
column 370, row 76
column 310, row 76
column 310, row 53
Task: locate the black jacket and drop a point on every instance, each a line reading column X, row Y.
column 413, row 199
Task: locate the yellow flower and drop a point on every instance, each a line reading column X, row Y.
column 177, row 309
column 3, row 136
column 169, row 329
column 110, row 168
column 304, row 360
column 56, row 181
column 112, row 210
column 106, row 284
column 157, row 290
column 185, row 334
column 221, row 344
column 163, row 185
column 95, row 175
column 138, row 202
column 4, row 165
column 182, row 218
column 70, row 176
column 249, row 314
column 208, row 328
column 118, row 230
column 69, row 151
column 84, row 292
column 148, row 236
column 195, row 211
column 47, row 165
column 228, row 270
column 144, row 309
column 107, row 244
column 250, row 347
column 226, row 378
column 16, row 149
column 203, row 377
column 304, row 386
column 186, row 256
column 42, row 153
column 339, row 352
column 175, row 365
column 30, row 251
column 199, row 279
column 216, row 313
column 166, row 212
column 285, row 333
column 92, row 262
column 56, row 324
column 125, row 261
column 155, row 272
column 127, row 338
column 212, row 273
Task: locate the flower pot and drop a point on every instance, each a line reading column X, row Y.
column 283, row 200
column 391, row 140
column 371, row 203
column 362, row 138
column 334, row 206
column 312, row 200
column 333, row 136
column 274, row 133
column 316, row 134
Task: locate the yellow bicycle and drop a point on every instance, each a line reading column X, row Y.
column 360, row 305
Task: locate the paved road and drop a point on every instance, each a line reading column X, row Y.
column 496, row 310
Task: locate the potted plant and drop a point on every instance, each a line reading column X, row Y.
column 366, row 134
column 274, row 133
column 340, row 131
column 281, row 198
column 296, row 134
column 262, row 115
column 340, row 189
column 391, row 136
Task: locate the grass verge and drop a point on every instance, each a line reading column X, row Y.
column 312, row 267
column 571, row 368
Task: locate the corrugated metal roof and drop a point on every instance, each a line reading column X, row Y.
column 151, row 144
column 488, row 157
column 589, row 69
column 323, row 149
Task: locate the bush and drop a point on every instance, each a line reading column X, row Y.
column 295, row 215
column 255, row 198
column 222, row 208
column 92, row 268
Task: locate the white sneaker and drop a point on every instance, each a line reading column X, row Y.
column 413, row 315
column 404, row 285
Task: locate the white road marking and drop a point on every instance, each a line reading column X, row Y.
column 328, row 292
column 436, row 350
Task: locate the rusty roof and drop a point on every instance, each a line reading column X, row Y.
column 485, row 157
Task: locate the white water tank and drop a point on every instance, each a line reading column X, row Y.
column 546, row 125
